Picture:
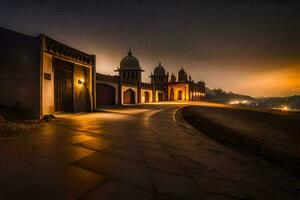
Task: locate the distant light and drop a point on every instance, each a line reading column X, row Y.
column 282, row 108
column 285, row 108
column 236, row 102
column 244, row 102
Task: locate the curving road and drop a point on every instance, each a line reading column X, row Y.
column 133, row 152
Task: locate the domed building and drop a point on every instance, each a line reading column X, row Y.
column 185, row 89
column 128, row 88
column 159, row 76
column 179, row 90
column 130, row 70
column 159, row 80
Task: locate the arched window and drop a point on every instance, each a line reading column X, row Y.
column 172, row 94
column 179, row 95
column 147, row 99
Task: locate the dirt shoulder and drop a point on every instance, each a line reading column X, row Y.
column 11, row 128
column 272, row 135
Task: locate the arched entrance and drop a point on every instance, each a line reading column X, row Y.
column 105, row 95
column 160, row 96
column 172, row 94
column 179, row 95
column 129, row 97
column 147, row 97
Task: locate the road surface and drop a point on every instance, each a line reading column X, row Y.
column 134, row 152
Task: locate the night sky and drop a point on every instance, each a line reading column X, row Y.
column 248, row 47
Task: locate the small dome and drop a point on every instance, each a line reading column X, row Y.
column 181, row 71
column 159, row 70
column 182, row 75
column 129, row 62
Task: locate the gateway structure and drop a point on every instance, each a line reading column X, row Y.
column 128, row 88
column 40, row 75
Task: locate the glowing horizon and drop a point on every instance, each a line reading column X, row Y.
column 277, row 82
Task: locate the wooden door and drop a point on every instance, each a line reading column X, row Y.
column 160, row 96
column 63, row 90
column 179, row 95
column 172, row 94
column 147, row 97
column 105, row 95
column 129, row 97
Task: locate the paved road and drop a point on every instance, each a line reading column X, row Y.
column 136, row 152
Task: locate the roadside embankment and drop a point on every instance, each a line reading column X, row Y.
column 10, row 128
column 272, row 135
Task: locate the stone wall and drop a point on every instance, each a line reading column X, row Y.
column 20, row 72
column 48, row 85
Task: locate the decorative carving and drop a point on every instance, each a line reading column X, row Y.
column 70, row 53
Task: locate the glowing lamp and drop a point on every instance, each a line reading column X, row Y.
column 80, row 81
column 285, row 108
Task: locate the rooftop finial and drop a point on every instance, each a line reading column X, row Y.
column 159, row 64
column 129, row 51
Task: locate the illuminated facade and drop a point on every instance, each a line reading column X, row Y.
column 42, row 76
column 128, row 88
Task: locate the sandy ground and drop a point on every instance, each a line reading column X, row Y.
column 10, row 128
column 272, row 135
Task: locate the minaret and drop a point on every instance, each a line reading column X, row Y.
column 173, row 78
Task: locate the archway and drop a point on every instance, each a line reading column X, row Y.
column 179, row 95
column 129, row 97
column 147, row 97
column 172, row 94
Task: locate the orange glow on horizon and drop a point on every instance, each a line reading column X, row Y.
column 283, row 82
column 272, row 81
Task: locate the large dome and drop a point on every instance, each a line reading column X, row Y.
column 129, row 62
column 159, row 70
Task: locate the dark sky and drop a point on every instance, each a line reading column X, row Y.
column 249, row 47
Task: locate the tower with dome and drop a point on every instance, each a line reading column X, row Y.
column 130, row 69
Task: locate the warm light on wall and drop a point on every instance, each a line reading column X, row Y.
column 80, row 81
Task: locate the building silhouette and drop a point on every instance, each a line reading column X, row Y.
column 128, row 88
